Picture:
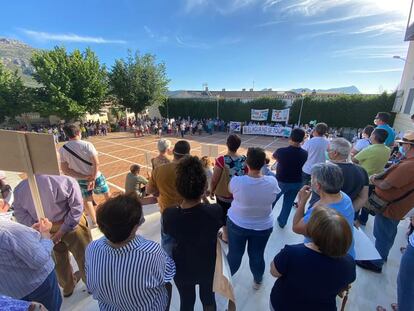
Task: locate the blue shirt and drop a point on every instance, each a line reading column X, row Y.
column 343, row 207
column 391, row 134
column 25, row 259
column 131, row 277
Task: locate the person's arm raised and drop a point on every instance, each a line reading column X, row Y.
column 299, row 225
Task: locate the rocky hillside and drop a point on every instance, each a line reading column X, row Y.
column 16, row 55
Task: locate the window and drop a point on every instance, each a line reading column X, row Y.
column 409, row 102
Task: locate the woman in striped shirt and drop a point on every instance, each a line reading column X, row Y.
column 124, row 271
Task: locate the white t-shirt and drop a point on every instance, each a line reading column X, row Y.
column 83, row 149
column 362, row 144
column 316, row 148
column 251, row 207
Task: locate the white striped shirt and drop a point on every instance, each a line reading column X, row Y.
column 131, row 277
column 25, row 259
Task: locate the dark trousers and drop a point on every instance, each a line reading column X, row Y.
column 256, row 241
column 48, row 293
column 225, row 206
column 188, row 295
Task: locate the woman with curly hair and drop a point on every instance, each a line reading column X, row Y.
column 194, row 226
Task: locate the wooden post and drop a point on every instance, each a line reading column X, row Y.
column 31, row 177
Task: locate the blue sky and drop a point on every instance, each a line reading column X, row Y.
column 279, row 44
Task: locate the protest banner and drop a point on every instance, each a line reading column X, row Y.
column 209, row 150
column 280, row 115
column 31, row 153
column 235, row 126
column 259, row 114
column 280, row 131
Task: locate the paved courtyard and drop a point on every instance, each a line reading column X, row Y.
column 118, row 151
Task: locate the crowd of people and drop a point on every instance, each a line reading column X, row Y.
column 337, row 186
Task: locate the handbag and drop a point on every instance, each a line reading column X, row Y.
column 377, row 205
column 222, row 188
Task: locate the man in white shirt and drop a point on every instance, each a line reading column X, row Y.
column 79, row 159
column 316, row 147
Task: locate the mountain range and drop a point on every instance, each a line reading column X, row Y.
column 15, row 55
column 342, row 90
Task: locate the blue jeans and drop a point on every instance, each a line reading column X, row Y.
column 405, row 281
column 167, row 241
column 289, row 192
column 256, row 244
column 48, row 293
column 385, row 230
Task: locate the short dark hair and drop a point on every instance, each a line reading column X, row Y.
column 118, row 216
column 368, row 130
column 233, row 142
column 380, row 135
column 191, row 178
column 321, row 128
column 329, row 231
column 71, row 130
column 297, row 135
column 181, row 149
column 384, row 117
column 256, row 158
column 134, row 168
column 412, row 117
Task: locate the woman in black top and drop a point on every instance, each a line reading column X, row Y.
column 311, row 275
column 194, row 226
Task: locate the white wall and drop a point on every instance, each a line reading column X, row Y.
column 403, row 121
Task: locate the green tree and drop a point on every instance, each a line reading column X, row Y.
column 15, row 98
column 138, row 81
column 71, row 84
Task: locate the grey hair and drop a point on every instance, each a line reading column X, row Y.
column 329, row 176
column 163, row 144
column 341, row 146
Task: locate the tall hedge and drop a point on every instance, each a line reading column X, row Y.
column 354, row 111
column 229, row 110
column 343, row 111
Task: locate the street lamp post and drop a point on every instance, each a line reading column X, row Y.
column 399, row 57
column 301, row 107
column 218, row 97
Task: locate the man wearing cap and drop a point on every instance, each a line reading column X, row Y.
column 162, row 184
column 396, row 184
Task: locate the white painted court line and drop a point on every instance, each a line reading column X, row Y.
column 150, row 168
column 115, row 186
column 140, row 154
column 268, row 145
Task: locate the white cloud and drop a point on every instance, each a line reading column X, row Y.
column 270, row 23
column 339, row 19
column 317, row 34
column 368, row 51
column 379, row 29
column 223, row 7
column 191, row 44
column 358, row 7
column 69, row 37
column 155, row 36
column 368, row 71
